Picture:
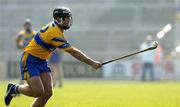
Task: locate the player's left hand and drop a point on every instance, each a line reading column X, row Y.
column 96, row 65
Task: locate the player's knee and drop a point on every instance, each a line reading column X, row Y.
column 48, row 93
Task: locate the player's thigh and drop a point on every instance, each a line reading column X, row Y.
column 47, row 82
column 36, row 85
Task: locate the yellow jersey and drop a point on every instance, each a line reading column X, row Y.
column 47, row 40
column 24, row 38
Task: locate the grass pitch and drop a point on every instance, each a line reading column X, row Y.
column 92, row 93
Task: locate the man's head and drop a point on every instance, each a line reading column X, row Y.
column 27, row 25
column 63, row 16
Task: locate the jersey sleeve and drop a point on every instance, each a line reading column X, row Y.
column 61, row 43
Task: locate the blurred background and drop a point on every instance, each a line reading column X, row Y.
column 103, row 29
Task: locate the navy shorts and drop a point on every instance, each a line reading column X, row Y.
column 32, row 66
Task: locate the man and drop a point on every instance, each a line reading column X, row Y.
column 147, row 59
column 25, row 36
column 55, row 64
column 33, row 62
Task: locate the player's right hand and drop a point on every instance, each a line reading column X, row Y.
column 96, row 65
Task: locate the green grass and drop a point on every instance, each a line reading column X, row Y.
column 91, row 93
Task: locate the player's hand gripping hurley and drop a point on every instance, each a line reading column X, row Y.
column 154, row 46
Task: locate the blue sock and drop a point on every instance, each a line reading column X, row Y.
column 15, row 89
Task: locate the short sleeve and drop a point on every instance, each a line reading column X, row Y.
column 61, row 43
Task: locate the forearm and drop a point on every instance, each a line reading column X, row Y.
column 19, row 43
column 81, row 56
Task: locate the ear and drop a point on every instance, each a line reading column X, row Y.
column 57, row 18
column 60, row 20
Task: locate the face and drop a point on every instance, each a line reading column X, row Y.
column 27, row 27
column 65, row 22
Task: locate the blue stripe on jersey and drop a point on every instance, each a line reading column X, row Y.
column 59, row 40
column 40, row 42
column 66, row 45
column 44, row 30
column 53, row 25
